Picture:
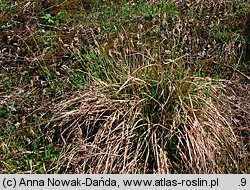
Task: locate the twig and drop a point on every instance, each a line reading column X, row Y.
column 238, row 71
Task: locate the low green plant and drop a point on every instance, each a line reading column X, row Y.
column 53, row 20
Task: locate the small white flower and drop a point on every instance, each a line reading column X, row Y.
column 167, row 52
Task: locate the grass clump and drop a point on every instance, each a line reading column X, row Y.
column 156, row 119
column 124, row 87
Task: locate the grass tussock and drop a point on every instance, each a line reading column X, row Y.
column 164, row 123
column 128, row 87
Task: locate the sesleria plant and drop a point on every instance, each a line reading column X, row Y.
column 157, row 119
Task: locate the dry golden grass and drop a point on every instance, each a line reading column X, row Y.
column 103, row 134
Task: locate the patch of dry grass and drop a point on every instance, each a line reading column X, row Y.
column 177, row 131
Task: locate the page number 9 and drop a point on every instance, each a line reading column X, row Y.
column 243, row 182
